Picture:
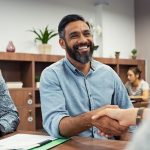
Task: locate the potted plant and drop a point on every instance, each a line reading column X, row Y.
column 117, row 54
column 44, row 36
column 37, row 81
column 134, row 53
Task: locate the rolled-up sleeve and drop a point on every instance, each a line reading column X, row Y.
column 52, row 102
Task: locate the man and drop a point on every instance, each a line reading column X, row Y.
column 9, row 118
column 73, row 89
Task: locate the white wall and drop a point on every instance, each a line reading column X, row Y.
column 18, row 16
column 118, row 28
column 142, row 29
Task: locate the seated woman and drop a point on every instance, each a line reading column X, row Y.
column 9, row 118
column 137, row 88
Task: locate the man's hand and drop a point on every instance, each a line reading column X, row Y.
column 109, row 126
column 70, row 126
column 121, row 115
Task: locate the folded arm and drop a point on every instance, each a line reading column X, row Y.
column 143, row 97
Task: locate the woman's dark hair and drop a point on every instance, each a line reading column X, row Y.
column 136, row 71
column 66, row 20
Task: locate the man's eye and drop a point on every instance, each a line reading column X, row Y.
column 74, row 36
column 87, row 34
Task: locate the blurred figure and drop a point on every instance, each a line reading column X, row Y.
column 9, row 118
column 137, row 88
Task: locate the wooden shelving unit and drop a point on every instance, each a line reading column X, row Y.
column 25, row 67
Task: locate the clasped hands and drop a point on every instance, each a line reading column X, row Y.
column 110, row 121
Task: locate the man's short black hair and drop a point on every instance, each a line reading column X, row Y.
column 66, row 20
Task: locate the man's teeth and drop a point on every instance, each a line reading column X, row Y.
column 82, row 47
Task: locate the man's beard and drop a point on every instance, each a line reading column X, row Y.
column 74, row 52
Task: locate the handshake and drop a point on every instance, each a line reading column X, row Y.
column 113, row 121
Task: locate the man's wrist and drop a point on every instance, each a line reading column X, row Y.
column 131, row 114
column 139, row 116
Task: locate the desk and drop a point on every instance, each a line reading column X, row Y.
column 82, row 143
column 138, row 102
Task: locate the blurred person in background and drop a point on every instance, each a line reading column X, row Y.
column 9, row 118
column 137, row 88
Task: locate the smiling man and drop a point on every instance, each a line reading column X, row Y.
column 75, row 88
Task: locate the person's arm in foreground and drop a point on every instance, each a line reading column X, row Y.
column 126, row 117
column 70, row 126
column 141, row 138
column 9, row 118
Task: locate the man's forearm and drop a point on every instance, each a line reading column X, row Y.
column 70, row 126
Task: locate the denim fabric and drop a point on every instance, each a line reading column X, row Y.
column 66, row 91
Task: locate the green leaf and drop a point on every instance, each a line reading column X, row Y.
column 44, row 35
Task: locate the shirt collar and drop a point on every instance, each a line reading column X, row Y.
column 73, row 68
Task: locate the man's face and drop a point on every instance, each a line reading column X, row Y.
column 131, row 76
column 79, row 41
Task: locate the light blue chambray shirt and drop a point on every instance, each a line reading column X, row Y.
column 65, row 91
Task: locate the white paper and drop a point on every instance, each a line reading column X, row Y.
column 23, row 141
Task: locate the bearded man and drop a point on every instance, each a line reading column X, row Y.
column 75, row 88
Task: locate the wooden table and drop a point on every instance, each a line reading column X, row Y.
column 138, row 102
column 82, row 143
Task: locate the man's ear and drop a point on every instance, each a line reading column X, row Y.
column 62, row 43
